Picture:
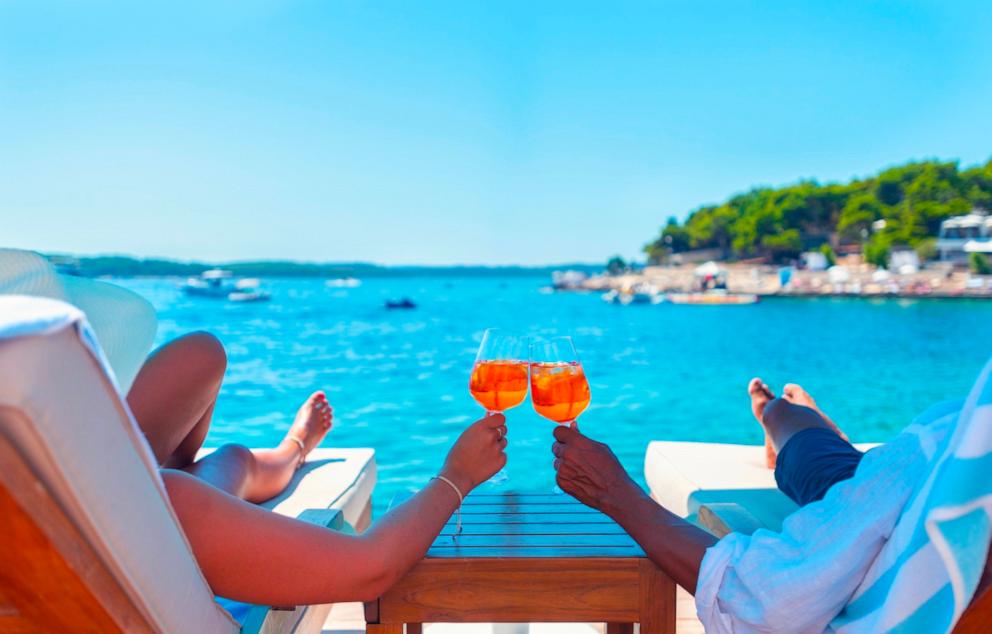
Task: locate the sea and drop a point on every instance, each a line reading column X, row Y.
column 398, row 379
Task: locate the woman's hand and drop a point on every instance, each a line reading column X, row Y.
column 589, row 472
column 477, row 454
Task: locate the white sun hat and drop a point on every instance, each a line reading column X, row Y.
column 124, row 322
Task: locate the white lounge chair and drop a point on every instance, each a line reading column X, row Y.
column 88, row 539
column 685, row 477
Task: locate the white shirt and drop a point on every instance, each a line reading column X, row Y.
column 799, row 580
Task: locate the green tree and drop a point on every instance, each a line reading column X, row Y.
column 979, row 264
column 913, row 199
column 828, row 252
column 616, row 266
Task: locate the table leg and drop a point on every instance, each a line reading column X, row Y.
column 657, row 600
column 619, row 628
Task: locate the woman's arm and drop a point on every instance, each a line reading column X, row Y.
column 249, row 554
column 590, row 472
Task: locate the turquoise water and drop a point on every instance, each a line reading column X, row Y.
column 398, row 379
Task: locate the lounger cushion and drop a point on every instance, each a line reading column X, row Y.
column 60, row 409
column 683, row 475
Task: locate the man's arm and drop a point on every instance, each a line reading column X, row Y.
column 588, row 471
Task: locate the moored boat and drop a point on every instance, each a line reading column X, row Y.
column 344, row 282
column 217, row 284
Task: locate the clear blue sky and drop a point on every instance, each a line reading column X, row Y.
column 457, row 132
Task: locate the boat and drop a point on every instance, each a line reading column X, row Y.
column 213, row 283
column 713, row 298
column 640, row 293
column 217, row 284
column 344, row 282
column 248, row 290
column 568, row 280
column 400, row 304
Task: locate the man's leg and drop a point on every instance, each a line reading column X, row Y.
column 812, row 454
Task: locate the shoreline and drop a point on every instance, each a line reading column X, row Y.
column 855, row 280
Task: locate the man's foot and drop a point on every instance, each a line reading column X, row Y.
column 761, row 396
column 313, row 421
column 794, row 393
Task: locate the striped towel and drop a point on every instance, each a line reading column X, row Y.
column 927, row 573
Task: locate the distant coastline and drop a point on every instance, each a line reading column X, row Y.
column 127, row 266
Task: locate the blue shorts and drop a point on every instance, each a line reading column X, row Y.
column 812, row 461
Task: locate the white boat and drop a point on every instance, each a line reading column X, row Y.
column 568, row 280
column 344, row 282
column 248, row 290
column 637, row 294
column 217, row 284
column 212, row 283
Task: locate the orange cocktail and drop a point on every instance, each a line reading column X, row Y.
column 499, row 385
column 559, row 390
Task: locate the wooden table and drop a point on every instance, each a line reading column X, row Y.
column 529, row 557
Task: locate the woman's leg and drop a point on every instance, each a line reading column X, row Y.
column 260, row 474
column 173, row 400
column 173, row 396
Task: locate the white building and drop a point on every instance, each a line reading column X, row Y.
column 962, row 235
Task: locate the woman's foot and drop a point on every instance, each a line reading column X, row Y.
column 794, row 393
column 761, row 395
column 313, row 420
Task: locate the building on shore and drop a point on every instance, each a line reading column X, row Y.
column 966, row 234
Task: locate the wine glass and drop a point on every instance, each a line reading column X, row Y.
column 499, row 376
column 558, row 386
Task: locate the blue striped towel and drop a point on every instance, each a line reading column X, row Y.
column 927, row 573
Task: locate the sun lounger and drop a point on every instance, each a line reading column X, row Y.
column 89, row 540
column 685, row 476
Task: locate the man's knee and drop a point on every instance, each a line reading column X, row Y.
column 775, row 412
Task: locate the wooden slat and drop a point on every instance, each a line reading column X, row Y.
column 533, row 552
column 534, row 518
column 527, row 541
column 529, row 509
column 535, row 529
column 515, row 590
column 521, row 498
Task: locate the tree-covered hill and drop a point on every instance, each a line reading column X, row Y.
column 779, row 223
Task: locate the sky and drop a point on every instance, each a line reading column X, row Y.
column 457, row 132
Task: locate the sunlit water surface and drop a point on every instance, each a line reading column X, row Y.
column 398, row 380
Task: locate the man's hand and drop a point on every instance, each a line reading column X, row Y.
column 589, row 472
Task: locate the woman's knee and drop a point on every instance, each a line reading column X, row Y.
column 205, row 347
column 233, row 453
column 199, row 353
